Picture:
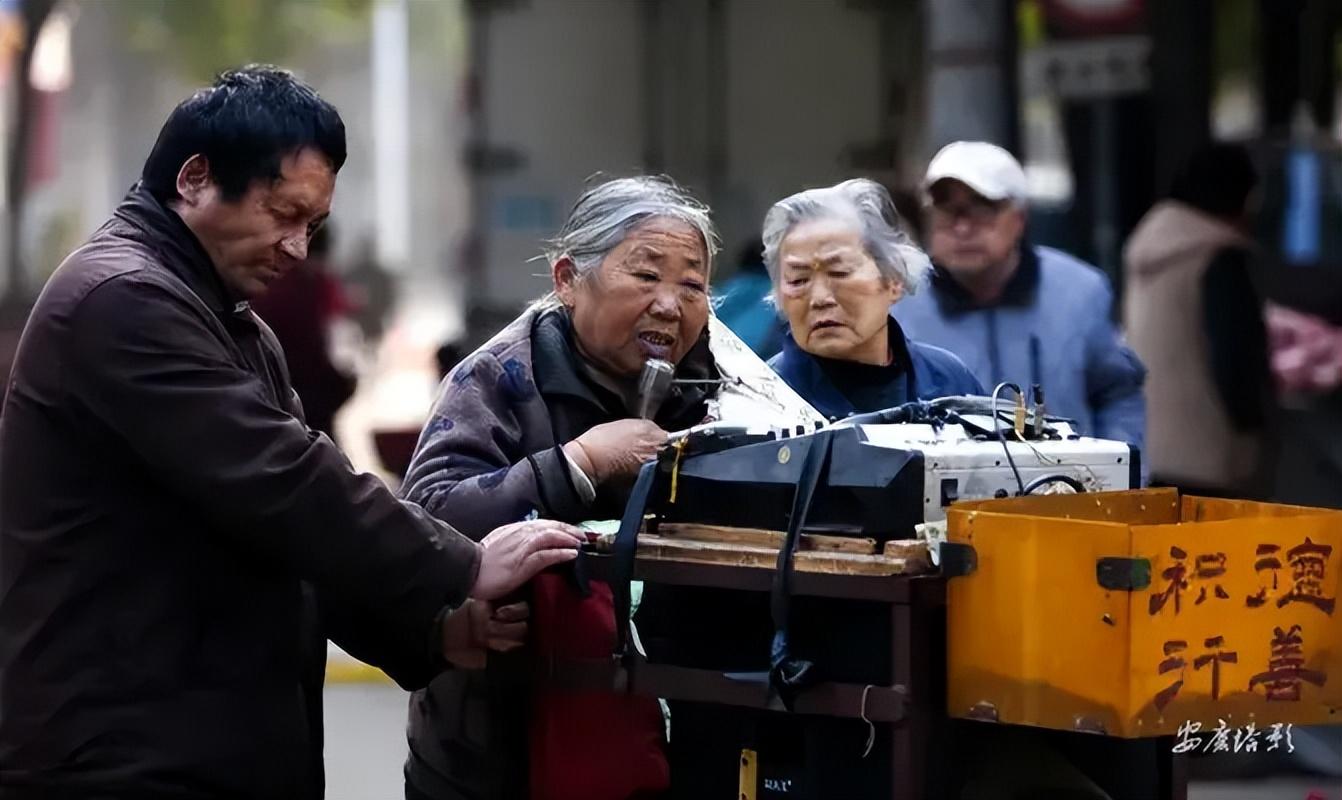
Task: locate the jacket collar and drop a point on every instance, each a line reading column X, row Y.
column 555, row 362
column 1020, row 290
column 557, row 369
column 179, row 249
column 804, row 373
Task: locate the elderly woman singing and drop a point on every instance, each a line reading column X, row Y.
column 545, row 419
column 839, row 262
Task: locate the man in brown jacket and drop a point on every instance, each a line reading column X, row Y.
column 175, row 543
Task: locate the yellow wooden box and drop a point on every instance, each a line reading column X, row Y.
column 1230, row 620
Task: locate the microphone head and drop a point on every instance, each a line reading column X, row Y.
column 653, row 385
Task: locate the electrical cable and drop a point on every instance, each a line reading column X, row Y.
column 997, row 428
column 1044, row 480
column 1058, row 462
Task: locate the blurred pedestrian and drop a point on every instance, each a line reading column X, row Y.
column 1306, row 351
column 1015, row 311
column 1195, row 317
column 301, row 307
column 371, row 290
column 1306, row 364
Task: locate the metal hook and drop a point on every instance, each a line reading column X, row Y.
column 871, row 727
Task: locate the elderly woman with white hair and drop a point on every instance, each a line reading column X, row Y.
column 545, row 420
column 839, row 262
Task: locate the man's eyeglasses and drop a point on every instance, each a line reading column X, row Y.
column 978, row 213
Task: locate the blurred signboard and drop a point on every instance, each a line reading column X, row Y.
column 1094, row 17
column 1088, row 69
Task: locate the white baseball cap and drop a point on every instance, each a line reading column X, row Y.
column 983, row 167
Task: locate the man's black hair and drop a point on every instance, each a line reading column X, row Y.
column 1217, row 179
column 244, row 125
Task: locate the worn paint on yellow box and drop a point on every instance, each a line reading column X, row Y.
column 1238, row 623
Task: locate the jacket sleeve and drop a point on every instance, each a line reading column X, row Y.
column 143, row 364
column 965, row 382
column 470, row 468
column 1114, row 378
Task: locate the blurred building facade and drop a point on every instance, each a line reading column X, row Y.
column 473, row 123
column 748, row 100
column 125, row 76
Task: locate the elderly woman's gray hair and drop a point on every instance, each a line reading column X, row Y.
column 607, row 212
column 870, row 208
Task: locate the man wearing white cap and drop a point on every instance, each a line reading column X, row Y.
column 1017, row 312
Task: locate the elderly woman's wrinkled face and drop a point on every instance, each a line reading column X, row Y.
column 833, row 293
column 647, row 299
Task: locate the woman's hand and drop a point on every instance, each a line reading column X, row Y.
column 616, row 449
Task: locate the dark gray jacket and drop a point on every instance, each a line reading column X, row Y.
column 489, row 456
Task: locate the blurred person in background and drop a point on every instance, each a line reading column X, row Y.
column 1195, row 317
column 742, row 303
column 371, row 290
column 1306, row 351
column 176, row 545
column 1306, row 365
column 839, row 263
column 301, row 308
column 1018, row 312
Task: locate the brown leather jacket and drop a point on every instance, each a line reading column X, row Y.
column 175, row 543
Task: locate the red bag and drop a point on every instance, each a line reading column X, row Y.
column 588, row 745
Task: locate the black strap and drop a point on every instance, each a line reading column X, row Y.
column 624, row 551
column 546, row 503
column 789, row 675
column 577, row 576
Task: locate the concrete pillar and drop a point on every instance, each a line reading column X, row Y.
column 391, row 132
column 970, row 71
